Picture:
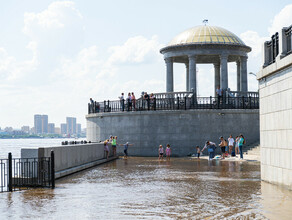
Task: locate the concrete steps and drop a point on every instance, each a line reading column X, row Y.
column 249, row 148
column 255, row 151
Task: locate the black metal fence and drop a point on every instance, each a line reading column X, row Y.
column 22, row 173
column 288, row 33
column 175, row 103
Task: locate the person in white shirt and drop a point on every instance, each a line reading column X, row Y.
column 122, row 101
column 219, row 94
column 230, row 144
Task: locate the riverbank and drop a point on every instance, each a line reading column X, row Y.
column 246, row 157
column 252, row 155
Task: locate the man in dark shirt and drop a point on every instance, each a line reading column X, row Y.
column 146, row 99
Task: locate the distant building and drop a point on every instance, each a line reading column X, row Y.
column 57, row 130
column 8, row 129
column 25, row 129
column 63, row 128
column 41, row 124
column 18, row 132
column 51, row 128
column 71, row 125
column 78, row 128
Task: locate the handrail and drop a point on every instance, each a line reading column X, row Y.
column 233, row 100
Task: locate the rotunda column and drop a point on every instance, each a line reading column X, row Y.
column 169, row 74
column 224, row 72
column 216, row 77
column 193, row 74
column 243, row 74
column 187, row 77
column 238, row 75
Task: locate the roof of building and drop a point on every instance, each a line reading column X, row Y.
column 206, row 34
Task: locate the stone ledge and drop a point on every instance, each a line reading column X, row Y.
column 76, row 169
column 275, row 67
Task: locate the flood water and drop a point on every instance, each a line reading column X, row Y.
column 144, row 188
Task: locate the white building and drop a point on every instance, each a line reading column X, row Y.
column 275, row 89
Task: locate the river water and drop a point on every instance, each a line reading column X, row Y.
column 145, row 188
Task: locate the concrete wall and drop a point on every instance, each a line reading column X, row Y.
column 275, row 87
column 183, row 130
column 70, row 158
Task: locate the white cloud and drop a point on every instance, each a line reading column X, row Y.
column 283, row 19
column 57, row 31
column 253, row 40
column 57, row 16
column 13, row 71
column 135, row 50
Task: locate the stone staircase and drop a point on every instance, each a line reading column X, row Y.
column 254, row 152
column 250, row 147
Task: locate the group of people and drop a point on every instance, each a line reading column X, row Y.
column 113, row 141
column 131, row 100
column 94, row 106
column 161, row 152
column 231, row 147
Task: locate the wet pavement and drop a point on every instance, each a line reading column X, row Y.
column 145, row 188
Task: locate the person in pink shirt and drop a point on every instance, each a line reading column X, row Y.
column 106, row 148
column 160, row 151
column 168, row 152
column 133, row 101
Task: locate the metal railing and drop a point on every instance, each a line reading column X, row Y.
column 273, row 48
column 22, row 173
column 248, row 101
column 288, row 35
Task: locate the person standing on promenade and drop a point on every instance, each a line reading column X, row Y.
column 240, row 145
column 122, row 101
column 129, row 102
column 168, row 152
column 160, row 152
column 146, row 98
column 230, row 144
column 211, row 149
column 91, row 105
column 133, row 101
column 219, row 93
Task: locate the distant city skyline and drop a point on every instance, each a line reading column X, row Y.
column 42, row 125
column 55, row 55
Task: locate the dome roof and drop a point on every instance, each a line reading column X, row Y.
column 206, row 34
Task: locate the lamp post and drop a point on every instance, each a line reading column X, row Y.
column 251, row 73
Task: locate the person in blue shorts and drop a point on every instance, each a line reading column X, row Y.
column 126, row 145
column 211, row 149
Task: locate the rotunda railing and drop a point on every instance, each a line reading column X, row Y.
column 178, row 101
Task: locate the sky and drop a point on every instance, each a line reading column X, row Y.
column 55, row 55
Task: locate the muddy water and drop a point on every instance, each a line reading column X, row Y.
column 143, row 188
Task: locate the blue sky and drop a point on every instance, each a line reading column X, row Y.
column 55, row 55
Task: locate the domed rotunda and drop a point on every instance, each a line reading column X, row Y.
column 211, row 45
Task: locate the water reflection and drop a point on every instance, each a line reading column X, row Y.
column 139, row 188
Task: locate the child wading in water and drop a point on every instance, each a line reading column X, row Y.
column 198, row 152
column 106, row 149
column 160, row 151
column 126, row 145
column 168, row 152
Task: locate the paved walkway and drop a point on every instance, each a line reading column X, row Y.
column 252, row 155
